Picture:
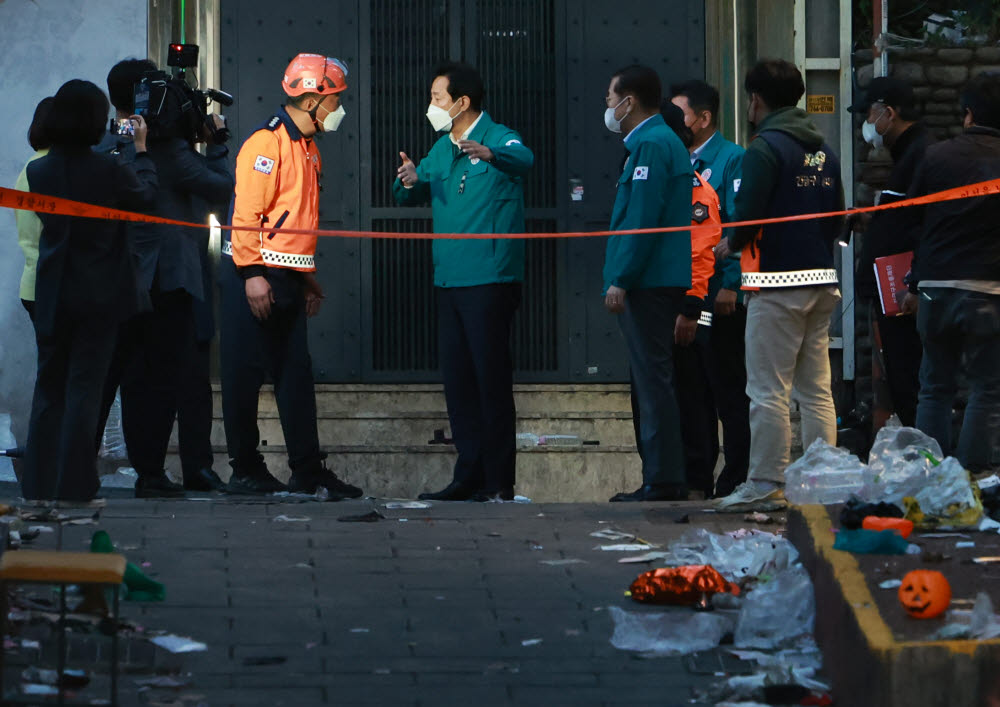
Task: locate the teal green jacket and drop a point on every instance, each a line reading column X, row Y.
column 720, row 162
column 478, row 197
column 654, row 190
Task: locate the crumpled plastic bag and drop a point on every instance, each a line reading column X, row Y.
column 680, row 585
column 980, row 623
column 949, row 498
column 752, row 554
column 777, row 612
column 668, row 633
column 870, row 542
column 824, row 474
column 899, row 464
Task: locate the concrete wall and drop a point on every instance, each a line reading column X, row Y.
column 45, row 43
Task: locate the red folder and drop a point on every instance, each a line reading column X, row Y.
column 889, row 273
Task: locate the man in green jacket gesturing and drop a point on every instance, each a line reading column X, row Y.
column 473, row 178
column 646, row 276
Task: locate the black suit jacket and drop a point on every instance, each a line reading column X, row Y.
column 167, row 254
column 84, row 265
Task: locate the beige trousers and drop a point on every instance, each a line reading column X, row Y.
column 787, row 342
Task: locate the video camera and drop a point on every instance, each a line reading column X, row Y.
column 172, row 107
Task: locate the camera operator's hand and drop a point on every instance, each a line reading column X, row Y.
column 213, row 131
column 313, row 294
column 260, row 296
column 139, row 136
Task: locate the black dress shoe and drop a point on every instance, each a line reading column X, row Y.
column 506, row 494
column 157, row 486
column 310, row 482
column 203, row 480
column 259, row 483
column 664, row 492
column 454, row 491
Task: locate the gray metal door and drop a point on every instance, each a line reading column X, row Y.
column 546, row 66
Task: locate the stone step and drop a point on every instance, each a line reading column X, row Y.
column 417, row 428
column 580, row 474
column 339, row 399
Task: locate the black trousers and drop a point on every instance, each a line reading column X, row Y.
column 154, row 354
column 727, row 374
column 902, row 352
column 72, row 366
column 699, row 422
column 474, row 344
column 648, row 327
column 251, row 350
column 194, row 411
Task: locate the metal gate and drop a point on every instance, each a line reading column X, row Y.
column 546, row 65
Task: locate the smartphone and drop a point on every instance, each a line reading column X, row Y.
column 122, row 127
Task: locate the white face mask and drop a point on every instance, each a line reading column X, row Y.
column 870, row 133
column 612, row 123
column 440, row 118
column 333, row 120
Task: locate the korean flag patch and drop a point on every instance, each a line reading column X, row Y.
column 640, row 173
column 309, row 83
column 736, row 185
column 263, row 164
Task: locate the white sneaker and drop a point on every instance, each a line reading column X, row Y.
column 753, row 496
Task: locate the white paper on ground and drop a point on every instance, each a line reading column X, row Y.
column 178, row 644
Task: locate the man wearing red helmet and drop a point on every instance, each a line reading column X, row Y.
column 269, row 286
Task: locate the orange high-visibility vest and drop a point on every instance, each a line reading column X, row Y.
column 704, row 208
column 277, row 185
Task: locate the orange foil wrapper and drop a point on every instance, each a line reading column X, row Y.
column 680, row 585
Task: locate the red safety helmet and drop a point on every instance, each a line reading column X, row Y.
column 315, row 73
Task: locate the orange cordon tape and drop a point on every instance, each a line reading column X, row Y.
column 27, row 201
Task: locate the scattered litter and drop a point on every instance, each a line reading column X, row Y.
column 890, row 584
column 39, row 690
column 901, row 526
column 178, row 644
column 965, row 543
column 625, row 547
column 559, row 563
column 668, row 633
column 987, row 524
column 680, row 585
column 382, row 671
column 402, row 520
column 986, row 560
column 406, row 505
column 900, row 463
column 947, row 498
column 572, row 632
column 988, row 482
column 291, row 519
column 777, row 612
column 611, row 534
column 369, row 517
column 870, row 542
column 521, row 499
column 265, row 660
column 824, row 474
column 980, row 623
column 647, row 557
column 360, row 629
column 943, row 535
column 531, row 641
column 41, row 529
column 758, row 517
column 311, row 645
column 534, row 546
column 162, row 681
column 121, row 478
column 754, row 553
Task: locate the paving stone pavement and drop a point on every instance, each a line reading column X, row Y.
column 439, row 606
